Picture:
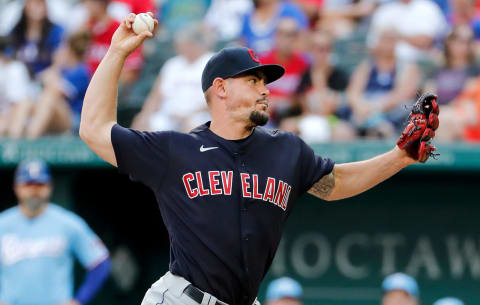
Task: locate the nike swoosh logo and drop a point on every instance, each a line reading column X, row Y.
column 203, row 149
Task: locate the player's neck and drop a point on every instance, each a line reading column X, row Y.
column 32, row 213
column 230, row 130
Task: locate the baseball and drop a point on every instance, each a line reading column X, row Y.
column 143, row 22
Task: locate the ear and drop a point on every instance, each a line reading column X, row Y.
column 219, row 87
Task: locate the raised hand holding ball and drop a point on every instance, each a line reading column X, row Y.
column 143, row 22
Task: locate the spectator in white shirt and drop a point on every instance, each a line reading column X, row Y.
column 418, row 23
column 226, row 17
column 176, row 100
column 15, row 88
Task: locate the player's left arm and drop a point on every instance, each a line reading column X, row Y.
column 93, row 255
column 414, row 145
column 350, row 179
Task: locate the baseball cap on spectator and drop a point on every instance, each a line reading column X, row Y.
column 284, row 287
column 400, row 281
column 234, row 61
column 448, row 301
column 32, row 171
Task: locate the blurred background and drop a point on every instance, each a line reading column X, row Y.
column 353, row 69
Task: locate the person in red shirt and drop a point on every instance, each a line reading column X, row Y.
column 101, row 28
column 285, row 53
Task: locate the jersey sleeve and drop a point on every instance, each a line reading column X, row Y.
column 87, row 246
column 313, row 167
column 144, row 156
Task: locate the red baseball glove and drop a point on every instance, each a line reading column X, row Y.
column 422, row 123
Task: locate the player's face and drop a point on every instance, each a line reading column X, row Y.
column 398, row 297
column 33, row 195
column 248, row 99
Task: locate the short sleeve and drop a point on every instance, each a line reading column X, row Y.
column 18, row 83
column 313, row 167
column 75, row 82
column 87, row 246
column 55, row 37
column 144, row 156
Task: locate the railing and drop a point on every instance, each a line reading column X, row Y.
column 73, row 152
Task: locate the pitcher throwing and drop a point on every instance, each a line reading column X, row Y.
column 226, row 188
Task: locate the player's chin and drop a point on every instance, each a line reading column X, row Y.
column 259, row 118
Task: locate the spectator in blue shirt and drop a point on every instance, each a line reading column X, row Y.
column 259, row 26
column 38, row 244
column 35, row 37
column 57, row 109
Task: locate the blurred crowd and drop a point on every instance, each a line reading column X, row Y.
column 353, row 67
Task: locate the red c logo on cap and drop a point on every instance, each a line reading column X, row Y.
column 253, row 55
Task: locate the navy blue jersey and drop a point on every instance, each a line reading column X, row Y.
column 224, row 202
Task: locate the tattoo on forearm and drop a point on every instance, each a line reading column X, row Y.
column 323, row 187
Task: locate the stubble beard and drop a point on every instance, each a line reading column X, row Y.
column 34, row 204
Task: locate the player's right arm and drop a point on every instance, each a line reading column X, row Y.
column 99, row 110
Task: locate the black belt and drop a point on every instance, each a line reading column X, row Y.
column 197, row 295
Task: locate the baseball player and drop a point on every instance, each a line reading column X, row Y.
column 284, row 291
column 38, row 241
column 226, row 189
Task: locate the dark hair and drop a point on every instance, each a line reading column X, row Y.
column 452, row 35
column 19, row 34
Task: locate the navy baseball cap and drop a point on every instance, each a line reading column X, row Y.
column 284, row 287
column 230, row 62
column 32, row 171
column 401, row 281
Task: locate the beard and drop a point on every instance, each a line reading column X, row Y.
column 258, row 118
